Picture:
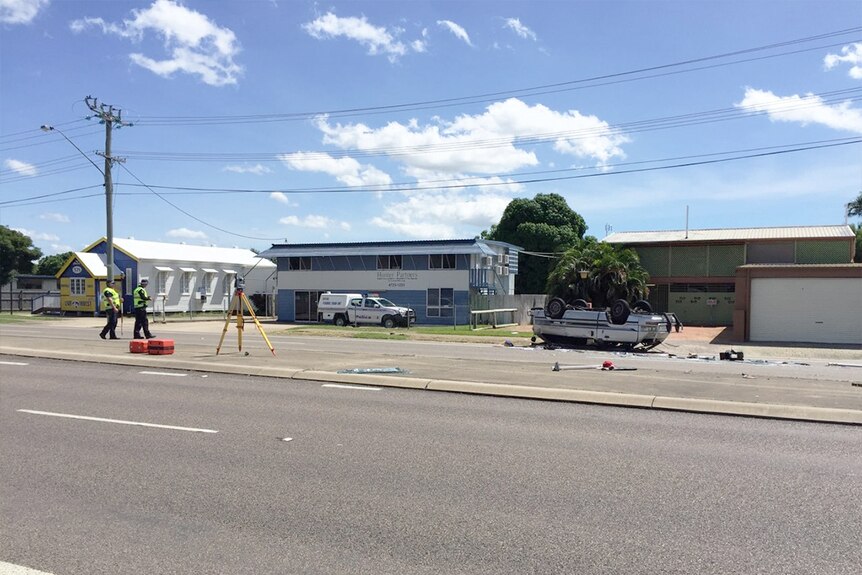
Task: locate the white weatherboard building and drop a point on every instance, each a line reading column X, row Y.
column 438, row 279
column 181, row 277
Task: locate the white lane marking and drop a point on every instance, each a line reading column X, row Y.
column 163, row 373
column 341, row 386
column 12, row 363
column 123, row 422
column 12, row 569
column 287, row 439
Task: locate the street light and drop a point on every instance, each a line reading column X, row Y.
column 109, row 214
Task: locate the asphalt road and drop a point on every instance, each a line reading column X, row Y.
column 258, row 475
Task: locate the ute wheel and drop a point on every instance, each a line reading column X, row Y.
column 339, row 320
column 643, row 305
column 579, row 304
column 388, row 322
column 556, row 308
column 620, row 311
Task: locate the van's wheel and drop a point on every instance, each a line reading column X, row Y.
column 579, row 304
column 388, row 322
column 642, row 305
column 556, row 308
column 620, row 311
column 339, row 320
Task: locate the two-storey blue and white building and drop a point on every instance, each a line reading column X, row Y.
column 440, row 279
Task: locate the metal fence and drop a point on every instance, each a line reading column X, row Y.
column 24, row 300
column 522, row 303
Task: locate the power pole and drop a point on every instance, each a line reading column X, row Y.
column 111, row 117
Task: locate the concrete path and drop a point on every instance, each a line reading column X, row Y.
column 792, row 382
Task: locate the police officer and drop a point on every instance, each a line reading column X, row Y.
column 111, row 305
column 142, row 298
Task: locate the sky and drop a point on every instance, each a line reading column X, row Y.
column 248, row 123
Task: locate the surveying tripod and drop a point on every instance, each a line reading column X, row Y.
column 236, row 306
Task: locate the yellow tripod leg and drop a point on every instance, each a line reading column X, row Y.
column 257, row 323
column 230, row 307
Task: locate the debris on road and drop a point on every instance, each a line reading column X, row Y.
column 731, row 355
column 606, row 365
column 373, row 370
column 846, row 364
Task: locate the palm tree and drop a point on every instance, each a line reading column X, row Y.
column 854, row 208
column 611, row 273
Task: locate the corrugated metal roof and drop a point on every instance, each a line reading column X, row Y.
column 167, row 252
column 732, row 234
column 419, row 247
column 96, row 264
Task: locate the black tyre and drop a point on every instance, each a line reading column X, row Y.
column 579, row 304
column 339, row 320
column 555, row 308
column 642, row 305
column 388, row 322
column 620, row 311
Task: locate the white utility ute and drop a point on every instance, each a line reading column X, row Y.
column 620, row 326
column 355, row 308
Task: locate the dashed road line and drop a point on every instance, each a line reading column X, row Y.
column 12, row 363
column 119, row 421
column 342, row 386
column 12, row 569
column 169, row 374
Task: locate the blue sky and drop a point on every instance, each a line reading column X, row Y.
column 257, row 122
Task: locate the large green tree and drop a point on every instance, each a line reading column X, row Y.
column 50, row 265
column 544, row 224
column 611, row 272
column 854, row 208
column 17, row 254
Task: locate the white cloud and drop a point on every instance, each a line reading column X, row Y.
column 524, row 32
column 457, row 30
column 55, row 217
column 313, row 221
column 377, row 39
column 21, row 11
column 442, row 215
column 20, row 167
column 195, row 44
column 808, row 109
column 186, row 233
column 61, row 248
column 852, row 55
column 38, row 236
column 346, row 170
column 485, row 143
column 257, row 169
column 282, row 198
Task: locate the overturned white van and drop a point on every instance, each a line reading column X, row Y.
column 354, row 308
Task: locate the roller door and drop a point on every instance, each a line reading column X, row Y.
column 816, row 310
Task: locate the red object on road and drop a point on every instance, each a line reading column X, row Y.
column 138, row 346
column 607, row 364
column 160, row 347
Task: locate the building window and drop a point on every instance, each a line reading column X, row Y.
column 77, row 286
column 299, row 264
column 389, row 262
column 441, row 262
column 162, row 282
column 441, row 302
column 186, row 283
column 208, row 283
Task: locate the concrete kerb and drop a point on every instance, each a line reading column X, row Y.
column 694, row 405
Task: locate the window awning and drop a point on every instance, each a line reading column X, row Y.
column 188, row 269
column 229, row 271
column 209, row 270
column 164, row 268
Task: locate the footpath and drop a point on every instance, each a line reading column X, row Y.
column 810, row 383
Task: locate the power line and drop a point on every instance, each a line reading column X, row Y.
column 480, row 98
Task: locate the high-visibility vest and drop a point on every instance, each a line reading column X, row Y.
column 141, row 297
column 108, row 296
